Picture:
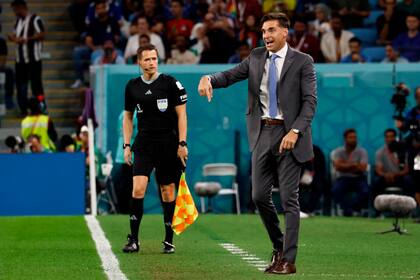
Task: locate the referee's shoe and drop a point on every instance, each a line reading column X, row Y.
column 168, row 248
column 132, row 245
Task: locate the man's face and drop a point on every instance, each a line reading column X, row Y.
column 274, row 35
column 412, row 23
column 84, row 137
column 34, row 145
column 351, row 139
column 390, row 137
column 20, row 10
column 143, row 41
column 336, row 25
column 354, row 47
column 149, row 5
column 142, row 26
column 149, row 62
column 101, row 10
column 176, row 9
column 181, row 43
column 390, row 54
column 319, row 14
column 390, row 3
column 209, row 20
column 299, row 28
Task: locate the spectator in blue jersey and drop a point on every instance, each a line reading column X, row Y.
column 110, row 55
column 101, row 29
column 408, row 43
column 113, row 9
column 392, row 56
column 355, row 56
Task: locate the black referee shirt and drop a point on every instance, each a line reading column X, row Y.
column 154, row 103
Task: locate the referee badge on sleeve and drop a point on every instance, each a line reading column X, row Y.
column 162, row 104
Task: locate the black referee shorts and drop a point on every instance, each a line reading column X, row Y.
column 160, row 155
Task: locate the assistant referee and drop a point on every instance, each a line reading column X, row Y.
column 159, row 101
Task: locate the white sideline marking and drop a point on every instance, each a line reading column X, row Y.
column 249, row 258
column 109, row 260
column 261, row 265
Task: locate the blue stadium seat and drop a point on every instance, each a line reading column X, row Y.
column 366, row 35
column 374, row 54
column 370, row 21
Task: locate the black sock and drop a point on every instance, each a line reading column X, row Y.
column 168, row 213
column 136, row 213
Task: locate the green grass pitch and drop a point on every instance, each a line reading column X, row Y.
column 329, row 248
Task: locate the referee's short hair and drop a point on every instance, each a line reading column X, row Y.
column 147, row 47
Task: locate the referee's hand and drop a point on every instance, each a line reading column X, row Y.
column 183, row 155
column 205, row 88
column 127, row 156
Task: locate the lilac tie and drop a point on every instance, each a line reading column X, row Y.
column 272, row 86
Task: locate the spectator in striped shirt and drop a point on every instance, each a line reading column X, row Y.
column 28, row 35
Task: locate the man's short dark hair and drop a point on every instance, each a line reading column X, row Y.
column 281, row 18
column 36, row 136
column 178, row 1
column 355, row 40
column 144, row 36
column 147, row 47
column 348, row 131
column 393, row 131
column 413, row 15
column 16, row 3
column 301, row 19
column 336, row 15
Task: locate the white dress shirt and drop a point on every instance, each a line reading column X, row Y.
column 133, row 45
column 329, row 46
column 264, row 95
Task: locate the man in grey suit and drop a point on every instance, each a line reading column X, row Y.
column 281, row 106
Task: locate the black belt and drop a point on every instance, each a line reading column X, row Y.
column 272, row 122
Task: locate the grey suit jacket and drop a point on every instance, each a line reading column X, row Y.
column 296, row 92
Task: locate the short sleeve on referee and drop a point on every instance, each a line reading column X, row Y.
column 128, row 100
column 180, row 93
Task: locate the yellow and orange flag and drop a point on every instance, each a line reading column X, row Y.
column 185, row 211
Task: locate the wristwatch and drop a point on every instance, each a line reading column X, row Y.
column 126, row 145
column 295, row 130
column 183, row 143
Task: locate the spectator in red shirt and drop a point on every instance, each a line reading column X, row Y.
column 178, row 26
column 303, row 41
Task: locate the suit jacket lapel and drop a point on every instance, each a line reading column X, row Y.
column 288, row 61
